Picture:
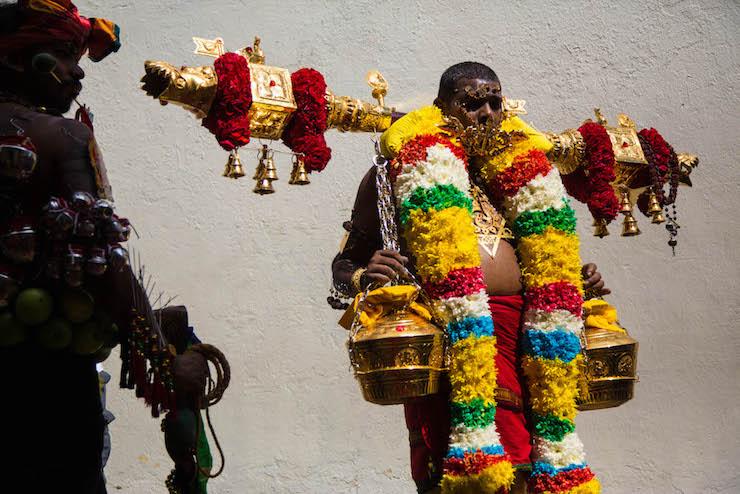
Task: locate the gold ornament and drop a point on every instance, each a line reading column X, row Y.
column 600, row 229
column 270, row 172
column 398, row 358
column 629, row 226
column 625, row 205
column 653, row 204
column 234, row 168
column 299, row 176
column 610, row 368
column 193, row 88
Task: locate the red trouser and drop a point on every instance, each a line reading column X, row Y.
column 428, row 419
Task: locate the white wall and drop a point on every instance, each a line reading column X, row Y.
column 254, row 271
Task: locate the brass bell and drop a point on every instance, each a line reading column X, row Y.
column 264, row 186
column 600, row 229
column 629, row 227
column 234, row 168
column 653, row 204
column 299, row 176
column 261, row 165
column 658, row 218
column 270, row 169
column 625, row 205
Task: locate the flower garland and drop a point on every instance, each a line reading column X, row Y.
column 592, row 184
column 228, row 118
column 305, row 131
column 535, row 202
column 432, row 190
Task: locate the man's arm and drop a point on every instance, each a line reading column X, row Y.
column 363, row 248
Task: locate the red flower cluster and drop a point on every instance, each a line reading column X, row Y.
column 463, row 281
column 228, row 118
column 524, row 168
column 562, row 482
column 305, row 131
column 660, row 148
column 592, row 185
column 416, row 150
column 560, row 295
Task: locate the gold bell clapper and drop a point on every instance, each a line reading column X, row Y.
column 610, row 359
column 298, row 176
column 234, row 168
column 600, row 229
column 629, row 226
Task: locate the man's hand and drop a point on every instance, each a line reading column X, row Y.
column 384, row 266
column 592, row 282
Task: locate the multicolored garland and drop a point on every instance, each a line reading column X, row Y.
column 432, row 190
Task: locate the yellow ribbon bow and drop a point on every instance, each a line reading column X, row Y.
column 602, row 315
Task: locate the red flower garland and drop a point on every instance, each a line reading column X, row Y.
column 592, row 185
column 661, row 151
column 305, row 131
column 228, row 118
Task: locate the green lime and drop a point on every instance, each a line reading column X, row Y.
column 77, row 306
column 33, row 306
column 86, row 339
column 55, row 334
column 12, row 332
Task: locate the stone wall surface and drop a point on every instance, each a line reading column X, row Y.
column 254, row 271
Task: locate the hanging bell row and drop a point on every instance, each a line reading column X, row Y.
column 266, row 171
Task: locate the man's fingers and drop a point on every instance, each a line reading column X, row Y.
column 598, row 286
column 588, row 270
column 382, row 269
column 389, row 261
column 393, row 255
column 605, row 291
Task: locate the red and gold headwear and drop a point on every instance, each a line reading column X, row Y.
column 58, row 20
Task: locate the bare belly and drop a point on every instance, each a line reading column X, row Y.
column 501, row 274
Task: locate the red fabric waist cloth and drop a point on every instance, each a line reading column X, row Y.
column 428, row 419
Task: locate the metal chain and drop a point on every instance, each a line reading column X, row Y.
column 386, row 208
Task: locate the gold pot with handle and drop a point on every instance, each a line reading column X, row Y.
column 610, row 359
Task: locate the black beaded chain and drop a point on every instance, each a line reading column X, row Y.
column 657, row 182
